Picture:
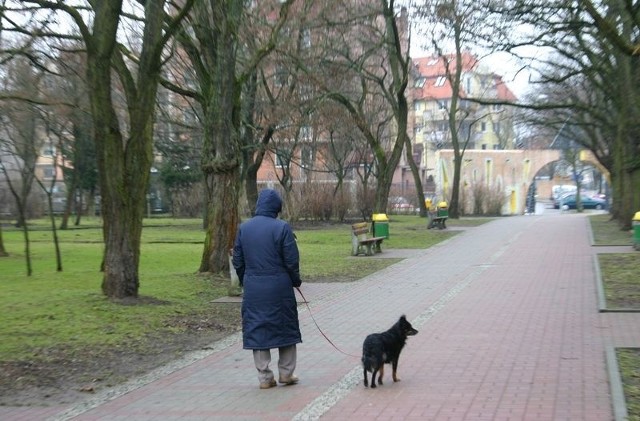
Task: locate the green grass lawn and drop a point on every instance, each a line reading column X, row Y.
column 620, row 273
column 608, row 233
column 52, row 308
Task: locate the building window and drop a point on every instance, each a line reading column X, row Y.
column 484, row 146
column 306, row 156
column 306, row 92
column 306, row 132
column 283, row 158
column 48, row 151
column 483, row 127
column 306, row 38
column 48, row 172
column 420, row 82
column 440, row 81
column 281, row 76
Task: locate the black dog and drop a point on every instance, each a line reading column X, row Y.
column 383, row 348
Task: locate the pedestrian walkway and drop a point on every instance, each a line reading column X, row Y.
column 509, row 330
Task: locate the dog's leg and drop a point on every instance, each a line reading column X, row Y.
column 394, row 367
column 381, row 374
column 373, row 377
column 366, row 380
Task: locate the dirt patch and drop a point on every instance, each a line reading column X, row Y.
column 60, row 378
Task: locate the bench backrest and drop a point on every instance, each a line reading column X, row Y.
column 360, row 229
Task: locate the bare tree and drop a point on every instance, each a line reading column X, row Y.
column 77, row 147
column 123, row 138
column 19, row 140
column 213, row 42
column 363, row 64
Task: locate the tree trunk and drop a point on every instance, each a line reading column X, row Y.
column 124, row 164
column 221, row 149
column 54, row 231
column 415, row 171
column 223, row 194
column 3, row 251
column 454, row 204
column 71, row 194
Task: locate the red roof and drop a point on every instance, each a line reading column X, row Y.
column 437, row 86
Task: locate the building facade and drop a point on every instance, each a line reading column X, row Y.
column 483, row 120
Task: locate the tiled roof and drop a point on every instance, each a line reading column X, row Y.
column 436, row 85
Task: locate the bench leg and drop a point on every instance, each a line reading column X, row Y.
column 357, row 248
column 370, row 249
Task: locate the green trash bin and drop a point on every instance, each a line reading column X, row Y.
column 380, row 225
column 636, row 230
column 443, row 210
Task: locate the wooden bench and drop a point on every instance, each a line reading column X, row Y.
column 437, row 219
column 361, row 242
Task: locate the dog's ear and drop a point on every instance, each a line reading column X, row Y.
column 403, row 317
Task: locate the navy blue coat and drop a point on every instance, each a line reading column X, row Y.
column 267, row 261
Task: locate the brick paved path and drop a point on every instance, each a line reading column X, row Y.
column 509, row 330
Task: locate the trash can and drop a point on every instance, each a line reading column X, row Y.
column 380, row 225
column 443, row 210
column 636, row 231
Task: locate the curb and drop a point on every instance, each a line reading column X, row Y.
column 615, row 384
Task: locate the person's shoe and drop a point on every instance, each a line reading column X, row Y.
column 269, row 384
column 289, row 380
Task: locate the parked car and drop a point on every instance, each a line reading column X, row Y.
column 557, row 200
column 588, row 202
column 561, row 198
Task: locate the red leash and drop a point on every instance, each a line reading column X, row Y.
column 320, row 330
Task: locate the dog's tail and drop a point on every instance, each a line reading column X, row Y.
column 369, row 362
column 366, row 363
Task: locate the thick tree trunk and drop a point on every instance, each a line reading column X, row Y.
column 3, row 251
column 223, row 193
column 122, row 230
column 124, row 163
column 221, row 154
column 251, row 187
column 123, row 209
